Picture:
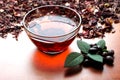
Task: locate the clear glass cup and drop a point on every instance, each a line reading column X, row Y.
column 52, row 28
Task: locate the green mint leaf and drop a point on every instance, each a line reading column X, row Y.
column 101, row 43
column 83, row 46
column 96, row 57
column 73, row 59
column 105, row 50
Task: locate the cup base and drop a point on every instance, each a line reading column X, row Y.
column 52, row 52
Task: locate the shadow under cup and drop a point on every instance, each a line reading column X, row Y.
column 52, row 28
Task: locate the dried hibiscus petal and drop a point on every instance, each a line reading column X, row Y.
column 96, row 11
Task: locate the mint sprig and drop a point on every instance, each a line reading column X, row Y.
column 96, row 57
column 75, row 58
column 101, row 43
column 83, row 46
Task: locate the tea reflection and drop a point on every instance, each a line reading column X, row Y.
column 46, row 62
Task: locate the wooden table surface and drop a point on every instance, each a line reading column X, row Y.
column 20, row 60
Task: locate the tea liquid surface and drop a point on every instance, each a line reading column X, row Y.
column 52, row 26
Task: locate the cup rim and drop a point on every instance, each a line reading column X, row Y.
column 25, row 27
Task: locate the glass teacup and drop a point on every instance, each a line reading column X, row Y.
column 52, row 28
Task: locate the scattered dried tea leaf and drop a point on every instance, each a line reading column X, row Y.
column 95, row 12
